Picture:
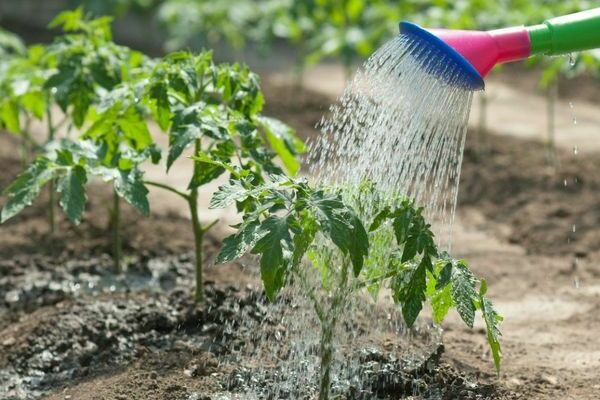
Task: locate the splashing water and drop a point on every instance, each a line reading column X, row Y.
column 401, row 127
column 401, row 124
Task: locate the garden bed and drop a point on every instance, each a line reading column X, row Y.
column 72, row 328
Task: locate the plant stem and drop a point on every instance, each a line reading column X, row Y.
column 168, row 188
column 326, row 350
column 551, row 122
column 198, row 234
column 51, row 186
column 328, row 325
column 116, row 228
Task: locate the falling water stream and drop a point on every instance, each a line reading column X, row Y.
column 403, row 128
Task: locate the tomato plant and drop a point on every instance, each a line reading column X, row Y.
column 216, row 110
column 286, row 219
column 91, row 79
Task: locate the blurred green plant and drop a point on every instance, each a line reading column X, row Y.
column 348, row 29
column 89, row 78
column 114, row 7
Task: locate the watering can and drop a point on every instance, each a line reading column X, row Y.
column 477, row 52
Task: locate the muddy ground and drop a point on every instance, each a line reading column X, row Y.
column 70, row 328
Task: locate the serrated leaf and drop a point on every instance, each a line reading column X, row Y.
column 410, row 292
column 444, row 276
column 26, row 187
column 209, row 166
column 379, row 218
column 341, row 224
column 72, row 189
column 410, row 249
column 464, row 293
column 161, row 107
column 284, row 142
column 130, row 186
column 359, row 244
column 275, row 247
column 304, row 238
column 135, row 129
column 35, row 103
column 227, row 195
column 236, row 245
column 9, row 116
column 492, row 320
column 179, row 140
column 441, row 302
column 401, row 224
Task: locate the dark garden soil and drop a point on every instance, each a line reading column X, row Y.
column 552, row 210
column 70, row 328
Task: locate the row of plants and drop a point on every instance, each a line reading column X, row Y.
column 350, row 30
column 108, row 95
column 100, row 102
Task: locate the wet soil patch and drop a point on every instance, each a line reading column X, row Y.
column 140, row 336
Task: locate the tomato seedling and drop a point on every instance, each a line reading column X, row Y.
column 216, row 110
column 96, row 83
column 285, row 220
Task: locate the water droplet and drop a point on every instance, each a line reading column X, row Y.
column 565, row 183
column 576, row 282
column 570, row 104
column 574, row 228
column 574, row 120
column 572, row 59
column 575, row 150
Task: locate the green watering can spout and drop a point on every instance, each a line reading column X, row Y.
column 475, row 53
column 570, row 33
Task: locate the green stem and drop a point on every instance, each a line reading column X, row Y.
column 198, row 233
column 328, row 325
column 51, row 186
column 185, row 196
column 116, row 228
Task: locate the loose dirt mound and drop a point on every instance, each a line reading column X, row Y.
column 139, row 336
column 550, row 210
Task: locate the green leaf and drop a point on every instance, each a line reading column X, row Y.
column 401, row 224
column 23, row 190
column 276, row 248
column 9, row 116
column 379, row 218
column 359, row 244
column 304, row 238
column 209, row 166
column 227, row 195
column 35, row 103
column 284, row 142
column 130, row 186
column 409, row 290
column 492, row 320
column 445, row 276
column 410, row 249
column 135, row 129
column 236, row 245
column 161, row 107
column 341, row 224
column 179, row 139
column 441, row 302
column 463, row 292
column 72, row 189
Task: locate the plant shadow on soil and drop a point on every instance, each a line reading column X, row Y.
column 71, row 328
